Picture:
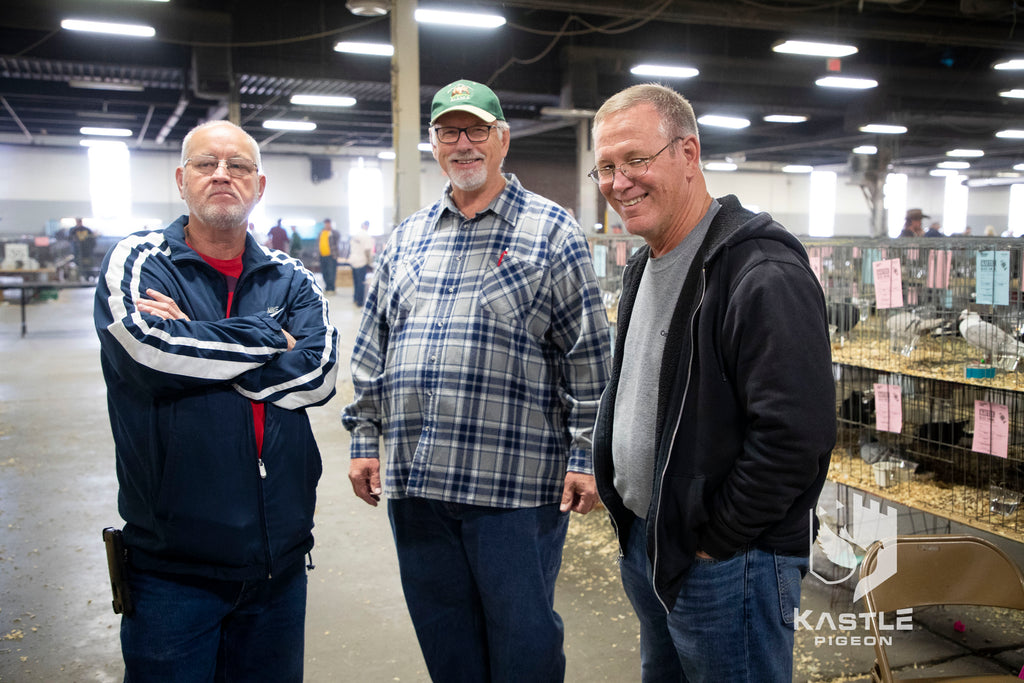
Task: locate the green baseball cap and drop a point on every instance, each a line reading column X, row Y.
column 467, row 96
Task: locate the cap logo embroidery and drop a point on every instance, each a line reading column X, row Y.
column 460, row 92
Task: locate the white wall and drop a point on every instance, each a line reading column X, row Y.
column 39, row 185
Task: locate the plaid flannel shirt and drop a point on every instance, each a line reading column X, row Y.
column 482, row 354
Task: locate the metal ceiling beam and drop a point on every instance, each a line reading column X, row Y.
column 14, row 116
column 935, row 21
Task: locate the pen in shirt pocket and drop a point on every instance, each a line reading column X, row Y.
column 502, row 257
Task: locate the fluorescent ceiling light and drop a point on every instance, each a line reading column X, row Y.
column 846, row 82
column 883, row 128
column 1016, row 93
column 1011, row 133
column 812, row 49
column 664, row 70
column 1007, row 174
column 368, row 8
column 1009, row 65
column 784, row 118
column 424, row 147
column 943, row 172
column 105, row 85
column 376, row 49
column 386, row 155
column 965, row 153
column 114, row 144
column 720, row 166
column 953, row 164
column 323, row 100
column 723, row 121
column 282, row 124
column 464, row 19
column 136, row 30
column 865, row 149
column 797, row 168
column 110, row 132
column 1018, row 167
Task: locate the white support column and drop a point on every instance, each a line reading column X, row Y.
column 588, row 194
column 405, row 107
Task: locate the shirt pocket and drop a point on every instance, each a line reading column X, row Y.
column 510, row 288
column 404, row 286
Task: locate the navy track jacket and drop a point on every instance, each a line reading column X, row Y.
column 195, row 497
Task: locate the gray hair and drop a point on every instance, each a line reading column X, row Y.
column 187, row 142
column 674, row 110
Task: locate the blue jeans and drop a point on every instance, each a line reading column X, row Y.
column 359, row 284
column 732, row 621
column 329, row 269
column 189, row 628
column 480, row 586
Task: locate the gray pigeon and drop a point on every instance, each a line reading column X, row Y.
column 994, row 341
column 910, row 323
column 905, row 327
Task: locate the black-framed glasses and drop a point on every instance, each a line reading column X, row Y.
column 450, row 134
column 632, row 169
column 207, row 164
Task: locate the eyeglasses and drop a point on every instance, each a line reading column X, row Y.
column 634, row 168
column 450, row 134
column 207, row 164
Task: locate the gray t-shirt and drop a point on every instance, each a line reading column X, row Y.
column 633, row 436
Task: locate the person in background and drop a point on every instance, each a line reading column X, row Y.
column 327, row 243
column 480, row 358
column 212, row 348
column 360, row 256
column 278, row 238
column 912, row 223
column 714, row 435
column 83, row 243
column 295, row 246
column 934, row 230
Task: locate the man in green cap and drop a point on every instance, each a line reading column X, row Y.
column 481, row 356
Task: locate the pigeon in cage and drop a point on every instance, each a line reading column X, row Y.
column 858, row 407
column 990, row 338
column 872, row 450
column 945, row 432
column 906, row 326
column 909, row 322
column 843, row 316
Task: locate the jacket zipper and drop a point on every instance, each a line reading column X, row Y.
column 672, row 441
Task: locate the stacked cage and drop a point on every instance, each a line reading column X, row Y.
column 926, row 344
column 610, row 254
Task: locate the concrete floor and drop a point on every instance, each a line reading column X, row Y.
column 58, row 490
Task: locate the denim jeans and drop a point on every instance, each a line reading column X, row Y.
column 480, row 587
column 732, row 621
column 329, row 269
column 359, row 284
column 189, row 628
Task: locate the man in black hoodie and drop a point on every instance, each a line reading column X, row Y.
column 712, row 489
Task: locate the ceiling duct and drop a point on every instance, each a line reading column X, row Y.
column 212, row 78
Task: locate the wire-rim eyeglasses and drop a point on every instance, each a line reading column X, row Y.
column 632, row 169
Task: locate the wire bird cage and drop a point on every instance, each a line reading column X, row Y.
column 610, row 254
column 926, row 345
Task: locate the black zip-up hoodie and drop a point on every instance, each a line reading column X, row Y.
column 746, row 416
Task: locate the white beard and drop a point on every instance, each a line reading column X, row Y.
column 218, row 216
column 466, row 180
